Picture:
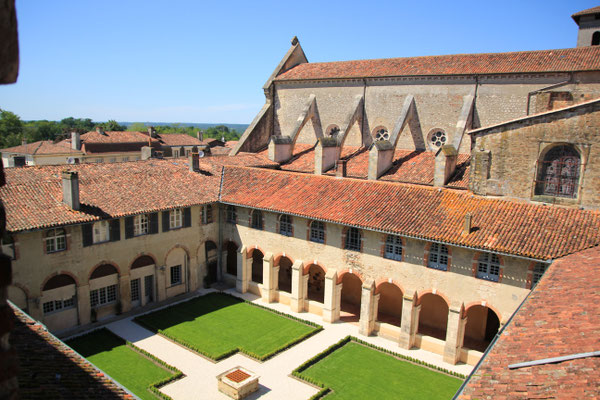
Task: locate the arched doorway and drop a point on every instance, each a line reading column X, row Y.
column 389, row 309
column 231, row 258
column 176, row 271
column 104, row 291
column 59, row 302
column 482, row 325
column 210, row 249
column 433, row 317
column 351, row 293
column 141, row 280
column 316, row 283
column 285, row 275
column 257, row 266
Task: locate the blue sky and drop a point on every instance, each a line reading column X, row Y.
column 196, row 61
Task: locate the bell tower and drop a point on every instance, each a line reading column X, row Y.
column 589, row 27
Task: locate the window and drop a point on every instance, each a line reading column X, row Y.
column 125, row 158
column 140, row 225
column 56, row 240
column 596, row 38
column 332, row 130
column 102, row 296
column 257, row 219
column 58, row 305
column 99, row 160
column 393, row 248
column 175, row 219
column 558, row 172
column 135, row 289
column 381, row 133
column 206, row 214
column 538, row 271
column 437, row 138
column 231, row 215
column 113, row 160
column 285, row 225
column 488, row 267
column 100, row 232
column 352, row 239
column 438, row 257
column 175, row 275
column 187, row 153
column 8, row 246
column 317, row 232
column 176, row 153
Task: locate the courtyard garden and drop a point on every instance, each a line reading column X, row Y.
column 352, row 370
column 218, row 325
column 139, row 372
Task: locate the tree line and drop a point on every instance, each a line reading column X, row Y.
column 13, row 130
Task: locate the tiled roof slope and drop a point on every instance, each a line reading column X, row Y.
column 593, row 10
column 43, row 147
column 49, row 369
column 116, row 137
column 32, row 196
column 179, row 139
column 561, row 317
column 539, row 61
column 524, row 229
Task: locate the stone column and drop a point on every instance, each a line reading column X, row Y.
column 269, row 276
column 124, row 293
column 241, row 283
column 298, row 298
column 333, row 296
column 455, row 333
column 83, row 304
column 410, row 321
column 368, row 308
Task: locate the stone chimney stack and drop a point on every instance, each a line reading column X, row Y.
column 340, row 170
column 70, row 184
column 194, row 161
column 467, row 224
column 151, row 132
column 75, row 141
column 200, row 135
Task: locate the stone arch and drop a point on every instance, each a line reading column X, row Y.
column 102, row 270
column 433, row 316
column 57, row 281
column 559, row 170
column 349, row 271
column 483, row 323
column 19, row 295
column 251, row 249
column 202, row 246
column 52, row 275
column 231, row 248
column 285, row 273
column 316, row 282
column 306, row 267
column 389, row 308
column 351, row 296
column 172, row 249
column 257, row 265
column 142, row 260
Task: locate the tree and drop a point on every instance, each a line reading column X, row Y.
column 112, row 125
column 137, row 127
column 81, row 125
column 11, row 129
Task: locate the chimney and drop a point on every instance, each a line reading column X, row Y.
column 23, row 142
column 200, row 135
column 340, row 171
column 100, row 130
column 467, row 224
column 70, row 186
column 75, row 141
column 151, row 132
column 194, row 161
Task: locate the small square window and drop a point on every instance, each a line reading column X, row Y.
column 175, row 275
column 175, row 219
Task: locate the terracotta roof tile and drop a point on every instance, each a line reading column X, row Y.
column 535, row 231
column 116, row 137
column 49, row 369
column 179, row 139
column 560, row 60
column 561, row 317
column 589, row 11
column 43, row 147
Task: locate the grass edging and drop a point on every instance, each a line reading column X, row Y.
column 325, row 389
column 318, row 328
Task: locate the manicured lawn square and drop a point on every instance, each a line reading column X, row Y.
column 128, row 367
column 355, row 371
column 217, row 325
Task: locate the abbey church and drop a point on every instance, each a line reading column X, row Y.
column 421, row 198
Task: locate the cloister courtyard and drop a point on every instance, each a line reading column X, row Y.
column 178, row 351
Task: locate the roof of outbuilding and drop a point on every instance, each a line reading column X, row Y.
column 539, row 61
column 43, row 147
column 517, row 228
column 561, row 317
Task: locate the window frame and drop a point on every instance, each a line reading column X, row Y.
column 57, row 242
column 56, row 306
column 437, row 253
column 286, row 228
column 553, row 157
column 353, row 240
column 104, row 296
column 536, row 274
column 258, row 222
column 394, row 249
column 317, row 234
column 96, row 239
column 206, row 214
column 231, row 215
column 486, row 266
column 176, row 218
column 175, row 271
column 141, row 224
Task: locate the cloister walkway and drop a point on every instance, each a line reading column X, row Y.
column 275, row 374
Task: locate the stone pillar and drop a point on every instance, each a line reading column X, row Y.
column 298, row 298
column 381, row 158
column 83, row 304
column 196, row 275
column 368, row 308
column 333, row 297
column 455, row 333
column 161, row 283
column 269, row 278
column 124, row 293
column 410, row 321
column 241, row 282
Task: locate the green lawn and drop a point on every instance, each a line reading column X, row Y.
column 217, row 325
column 128, row 367
column 355, row 371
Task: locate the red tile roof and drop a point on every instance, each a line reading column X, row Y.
column 560, row 60
column 561, row 317
column 49, row 369
column 43, row 147
column 116, row 137
column 524, row 229
column 179, row 139
column 32, row 196
column 589, row 11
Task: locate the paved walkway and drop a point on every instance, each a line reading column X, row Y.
column 275, row 374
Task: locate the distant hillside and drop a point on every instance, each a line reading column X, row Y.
column 200, row 125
